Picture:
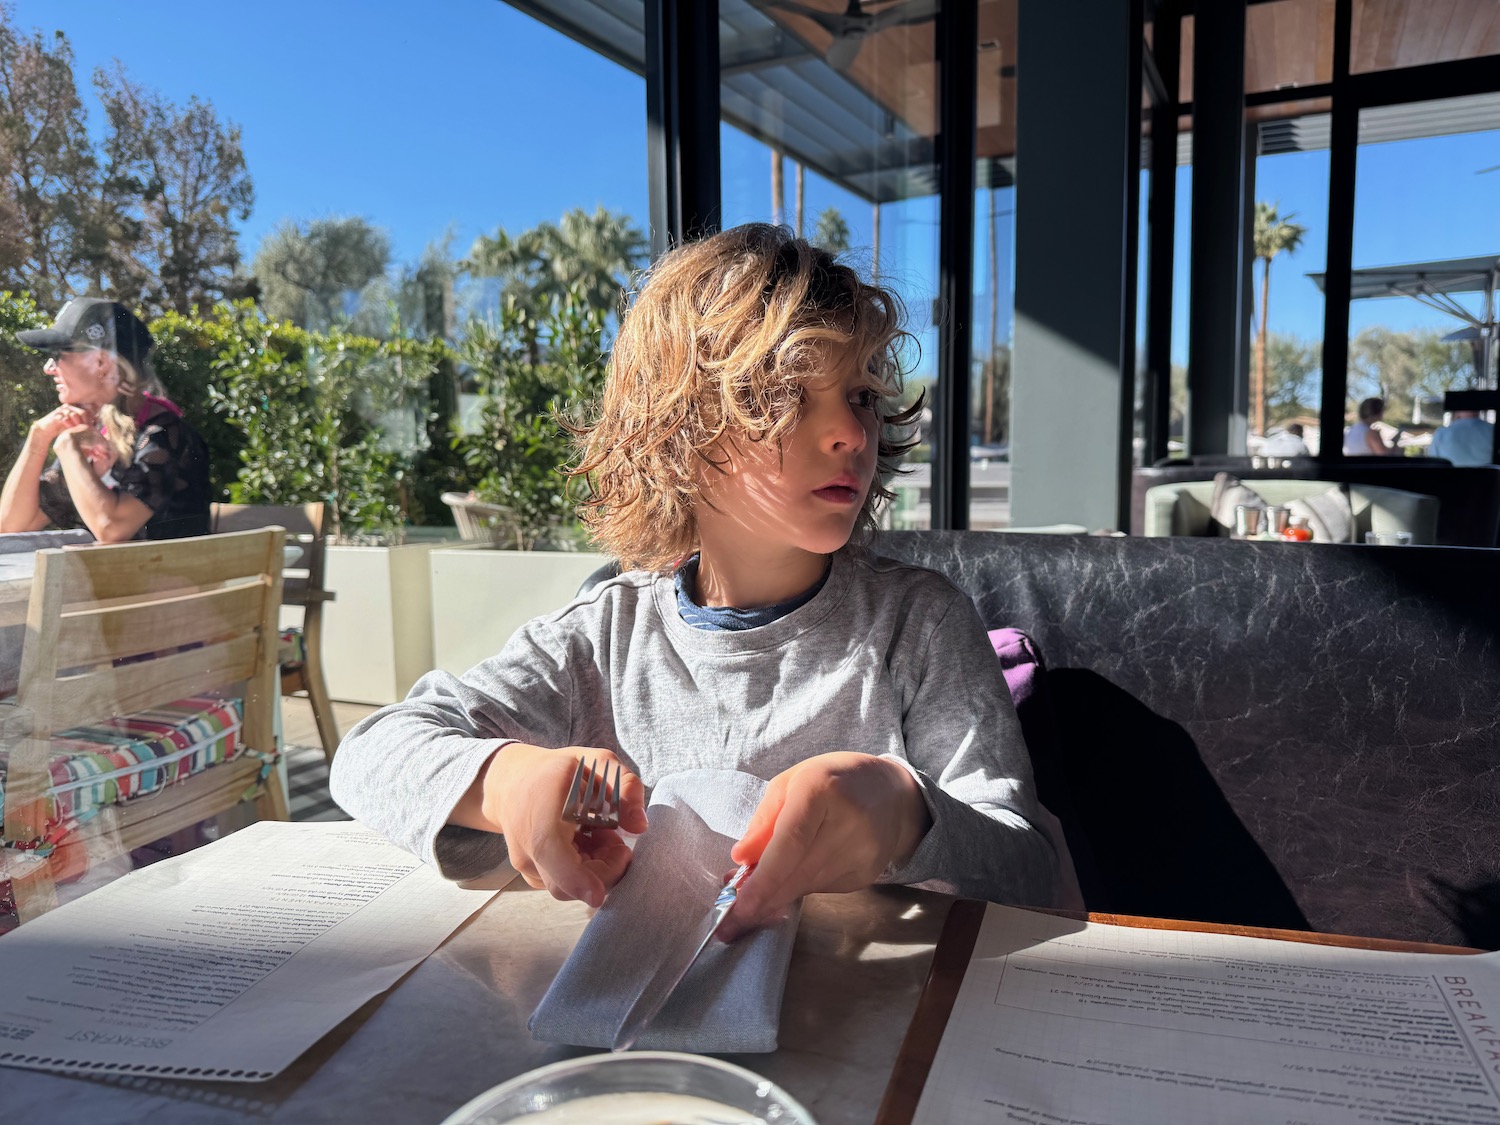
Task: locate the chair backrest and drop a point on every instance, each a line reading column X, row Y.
column 304, row 524
column 478, row 519
column 120, row 628
column 99, row 617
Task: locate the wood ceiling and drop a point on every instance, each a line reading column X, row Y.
column 897, row 67
column 1289, row 43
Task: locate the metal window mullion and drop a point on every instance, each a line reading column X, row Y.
column 957, row 39
column 1166, row 46
column 1343, row 154
column 682, row 120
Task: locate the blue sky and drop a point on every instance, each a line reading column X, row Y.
column 414, row 116
column 463, row 115
column 1415, row 201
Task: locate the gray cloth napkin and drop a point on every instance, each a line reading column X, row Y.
column 730, row 1001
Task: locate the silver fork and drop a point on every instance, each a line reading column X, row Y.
column 594, row 803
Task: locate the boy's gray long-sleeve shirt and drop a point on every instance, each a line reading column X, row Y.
column 887, row 659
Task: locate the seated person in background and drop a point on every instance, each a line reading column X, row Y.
column 751, row 412
column 1287, row 443
column 1362, row 439
column 1467, row 439
column 127, row 465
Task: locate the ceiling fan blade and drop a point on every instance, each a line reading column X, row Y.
column 843, row 51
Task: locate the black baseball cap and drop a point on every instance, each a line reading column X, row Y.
column 89, row 323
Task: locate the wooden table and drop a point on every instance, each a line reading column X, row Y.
column 456, row 1025
column 956, row 944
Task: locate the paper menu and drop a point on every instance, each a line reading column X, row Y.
column 227, row 962
column 1061, row 1022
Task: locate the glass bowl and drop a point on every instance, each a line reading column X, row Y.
column 635, row 1088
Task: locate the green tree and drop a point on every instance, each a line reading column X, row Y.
column 831, row 231
column 589, row 256
column 48, row 172
column 1274, row 233
column 1294, row 375
column 305, row 270
column 25, row 392
column 179, row 176
column 517, row 454
column 1402, row 366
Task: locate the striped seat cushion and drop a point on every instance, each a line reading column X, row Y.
column 292, row 653
column 134, row 755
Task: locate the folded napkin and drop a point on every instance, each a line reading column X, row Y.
column 730, row 1001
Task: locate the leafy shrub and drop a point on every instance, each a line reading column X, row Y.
column 25, row 392
column 516, row 457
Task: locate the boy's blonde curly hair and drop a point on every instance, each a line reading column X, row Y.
column 718, row 343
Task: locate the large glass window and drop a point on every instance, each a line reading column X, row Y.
column 1422, row 314
column 830, row 123
column 1289, row 248
column 994, row 266
column 332, row 225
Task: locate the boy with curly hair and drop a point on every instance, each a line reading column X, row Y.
column 750, row 414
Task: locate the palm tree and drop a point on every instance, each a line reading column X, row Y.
column 596, row 253
column 592, row 254
column 1273, row 234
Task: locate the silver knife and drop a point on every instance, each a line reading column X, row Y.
column 666, row 978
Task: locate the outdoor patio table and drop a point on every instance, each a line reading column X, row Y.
column 457, row 1025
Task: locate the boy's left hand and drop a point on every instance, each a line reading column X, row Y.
column 835, row 822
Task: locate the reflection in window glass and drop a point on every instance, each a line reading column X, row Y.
column 1422, row 314
column 398, row 203
column 994, row 266
column 1182, row 253
column 832, row 133
column 1389, row 34
column 1290, row 241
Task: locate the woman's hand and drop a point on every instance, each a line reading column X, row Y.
column 49, row 427
column 835, row 822
column 91, row 443
column 523, row 790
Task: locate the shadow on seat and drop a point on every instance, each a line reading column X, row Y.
column 1162, row 838
column 303, row 585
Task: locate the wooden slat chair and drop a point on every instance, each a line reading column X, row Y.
column 177, row 637
column 303, row 585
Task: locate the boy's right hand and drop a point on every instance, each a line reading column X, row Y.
column 523, row 790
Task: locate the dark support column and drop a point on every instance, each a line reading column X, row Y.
column 1343, row 151
column 1076, row 101
column 682, row 119
column 1125, row 441
column 1251, row 150
column 1162, row 215
column 1216, row 347
column 957, row 43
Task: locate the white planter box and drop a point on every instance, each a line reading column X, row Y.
column 481, row 597
column 377, row 632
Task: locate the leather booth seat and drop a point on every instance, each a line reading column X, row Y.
column 1259, row 733
column 1182, row 508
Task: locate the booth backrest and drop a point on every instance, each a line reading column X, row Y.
column 1184, row 508
column 1468, row 497
column 1263, row 733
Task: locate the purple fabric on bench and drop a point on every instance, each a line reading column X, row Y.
column 1025, row 675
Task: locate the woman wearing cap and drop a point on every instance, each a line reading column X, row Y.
column 127, row 466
